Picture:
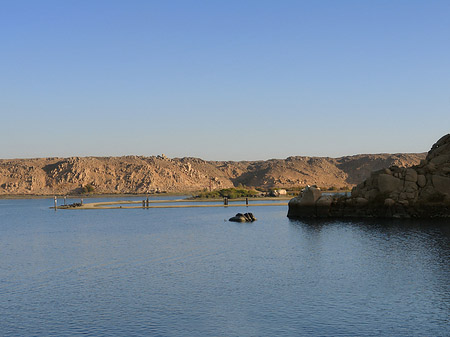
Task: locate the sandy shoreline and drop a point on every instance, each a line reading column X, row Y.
column 129, row 204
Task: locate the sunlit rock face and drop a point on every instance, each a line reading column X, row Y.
column 418, row 191
column 306, row 201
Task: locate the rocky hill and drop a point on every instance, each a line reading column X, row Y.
column 137, row 174
column 420, row 191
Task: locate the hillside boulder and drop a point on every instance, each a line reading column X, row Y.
column 388, row 183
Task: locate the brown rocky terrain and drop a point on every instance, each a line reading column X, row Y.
column 421, row 191
column 137, row 174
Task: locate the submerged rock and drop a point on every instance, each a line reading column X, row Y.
column 419, row 191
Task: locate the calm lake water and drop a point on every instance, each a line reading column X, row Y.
column 188, row 272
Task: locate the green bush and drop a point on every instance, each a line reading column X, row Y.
column 296, row 189
column 231, row 193
column 87, row 188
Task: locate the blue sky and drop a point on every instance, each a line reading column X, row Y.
column 223, row 80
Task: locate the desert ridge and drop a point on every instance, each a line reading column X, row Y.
column 139, row 174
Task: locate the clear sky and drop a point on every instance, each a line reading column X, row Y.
column 223, row 80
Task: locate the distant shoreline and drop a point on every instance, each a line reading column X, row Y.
column 130, row 176
column 87, row 196
column 125, row 195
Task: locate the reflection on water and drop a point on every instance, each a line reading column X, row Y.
column 189, row 272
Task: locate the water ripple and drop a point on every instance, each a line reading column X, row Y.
column 189, row 273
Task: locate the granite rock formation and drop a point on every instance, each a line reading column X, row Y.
column 419, row 191
column 246, row 217
column 139, row 174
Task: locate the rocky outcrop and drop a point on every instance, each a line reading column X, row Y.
column 306, row 201
column 418, row 191
column 246, row 217
column 138, row 174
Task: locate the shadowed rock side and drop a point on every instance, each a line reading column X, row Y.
column 138, row 174
column 246, row 217
column 421, row 191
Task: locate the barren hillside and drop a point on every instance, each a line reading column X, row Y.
column 137, row 174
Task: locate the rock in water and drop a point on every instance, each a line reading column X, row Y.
column 239, row 217
column 306, row 201
column 421, row 191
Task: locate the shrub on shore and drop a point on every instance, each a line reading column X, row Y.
column 231, row 193
column 87, row 189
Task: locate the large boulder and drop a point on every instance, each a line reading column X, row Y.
column 388, row 183
column 441, row 147
column 310, row 195
column 441, row 184
column 246, row 217
column 419, row 191
column 305, row 202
